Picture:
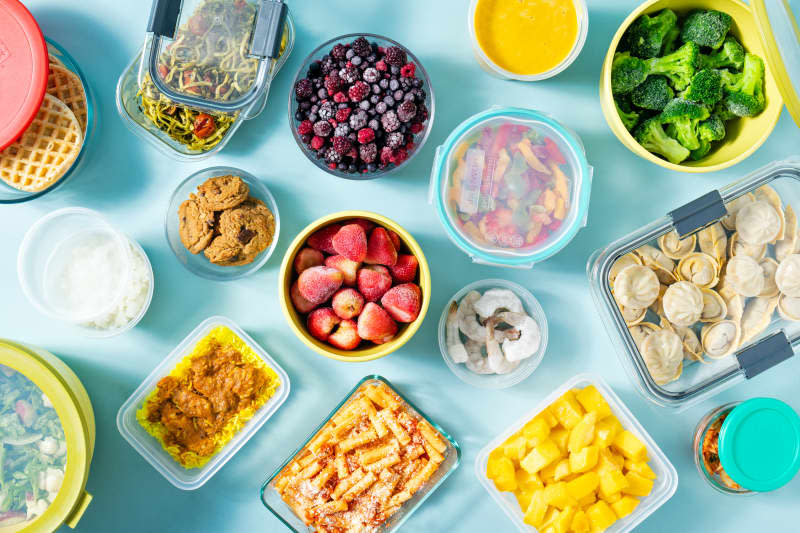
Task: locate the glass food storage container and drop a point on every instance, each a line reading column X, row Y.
column 47, row 113
column 205, row 67
column 657, row 466
column 446, row 452
column 47, row 420
column 511, row 186
column 715, row 280
column 748, row 447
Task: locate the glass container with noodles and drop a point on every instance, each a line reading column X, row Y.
column 205, row 67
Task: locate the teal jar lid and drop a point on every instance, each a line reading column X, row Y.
column 759, row 444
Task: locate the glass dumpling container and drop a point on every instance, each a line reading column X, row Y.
column 511, row 186
column 205, row 67
column 741, row 325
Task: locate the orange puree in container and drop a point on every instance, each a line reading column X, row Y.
column 526, row 36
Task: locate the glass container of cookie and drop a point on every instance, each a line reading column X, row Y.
column 709, row 295
column 222, row 223
column 47, row 113
column 206, row 66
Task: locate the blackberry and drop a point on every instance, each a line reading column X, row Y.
column 395, row 56
column 371, row 75
column 388, row 120
column 327, row 64
column 304, row 89
column 358, row 119
column 406, row 111
column 381, row 107
column 394, row 140
column 342, row 129
column 349, row 74
column 422, row 113
column 333, row 83
column 322, row 128
column 332, row 156
column 368, row 152
column 342, row 145
column 338, row 51
column 361, row 47
column 326, row 111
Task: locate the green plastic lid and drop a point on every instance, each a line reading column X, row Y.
column 759, row 444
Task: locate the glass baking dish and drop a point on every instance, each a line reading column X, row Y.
column 273, row 501
column 754, row 349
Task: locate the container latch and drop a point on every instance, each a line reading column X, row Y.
column 164, row 17
column 765, row 354
column 268, row 30
column 698, row 213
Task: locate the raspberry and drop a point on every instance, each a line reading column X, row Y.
column 366, row 135
column 332, row 166
column 339, row 51
column 410, row 146
column 305, row 127
column 368, row 152
column 389, row 121
column 339, row 97
column 371, row 75
column 386, row 155
column 361, row 47
column 406, row 111
column 399, row 155
column 342, row 114
column 394, row 140
column 358, row 91
column 408, row 70
column 322, row 128
column 359, row 119
column 303, row 89
column 333, row 82
column 342, row 145
column 381, row 65
column 317, row 142
column 395, row 56
column 416, row 127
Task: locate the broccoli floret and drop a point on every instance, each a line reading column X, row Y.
column 731, row 55
column 653, row 94
column 721, row 110
column 650, row 134
column 627, row 72
column 683, row 117
column 711, row 129
column 670, row 43
column 628, row 116
column 646, row 34
column 706, row 28
column 706, row 87
column 745, row 96
column 679, row 66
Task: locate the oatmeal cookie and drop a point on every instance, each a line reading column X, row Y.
column 222, row 192
column 252, row 225
column 223, row 249
column 196, row 225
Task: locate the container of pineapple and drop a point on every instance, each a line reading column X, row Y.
column 579, row 462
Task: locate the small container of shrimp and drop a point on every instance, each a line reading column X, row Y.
column 493, row 334
column 511, row 186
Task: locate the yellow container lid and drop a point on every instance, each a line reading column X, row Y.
column 62, row 392
column 780, row 35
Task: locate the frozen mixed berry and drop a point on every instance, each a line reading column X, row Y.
column 361, row 47
column 323, row 128
column 349, row 74
column 305, row 127
column 317, row 142
column 342, row 114
column 327, row 64
column 394, row 140
column 395, row 56
column 342, row 129
column 370, row 75
column 368, row 152
column 406, row 111
column 381, row 65
column 408, row 70
column 386, row 155
column 333, row 83
column 399, row 155
column 303, row 89
column 333, row 156
column 326, row 111
column 358, row 91
column 358, row 119
column 390, row 121
column 339, row 51
column 366, row 135
column 342, row 145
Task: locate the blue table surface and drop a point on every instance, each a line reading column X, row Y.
column 130, row 182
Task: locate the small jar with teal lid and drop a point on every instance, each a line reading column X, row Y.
column 511, row 186
column 748, row 447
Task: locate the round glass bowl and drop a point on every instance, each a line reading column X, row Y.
column 487, row 64
column 11, row 195
column 70, row 246
column 198, row 263
column 700, row 432
column 419, row 138
column 526, row 366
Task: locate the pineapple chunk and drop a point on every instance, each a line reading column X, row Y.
column 643, row 469
column 548, row 473
column 637, row 485
column 493, row 462
column 584, row 460
column 583, row 485
column 606, row 431
column 561, row 437
column 535, row 513
column 564, row 520
column 582, row 434
column 614, row 458
column 548, row 416
column 523, row 498
column 505, row 478
column 580, row 523
column 536, row 431
column 515, row 447
column 549, row 517
column 624, row 506
column 630, row 446
column 612, row 481
column 593, row 402
column 567, row 410
column 541, row 456
column 587, row 500
column 527, row 480
column 556, row 495
column 562, row 470
column 613, row 498
column 600, row 515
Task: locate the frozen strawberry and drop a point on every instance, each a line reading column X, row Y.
column 307, row 258
column 351, row 242
column 347, row 303
column 321, row 322
column 403, row 302
column 321, row 239
column 373, row 282
column 405, row 269
column 317, row 284
column 375, row 324
column 346, row 336
column 301, row 305
column 348, row 268
column 368, row 225
column 25, row 412
column 395, row 238
column 380, row 249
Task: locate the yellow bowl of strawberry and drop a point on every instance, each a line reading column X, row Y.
column 354, row 286
column 511, row 186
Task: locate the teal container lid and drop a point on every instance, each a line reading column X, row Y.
column 759, row 444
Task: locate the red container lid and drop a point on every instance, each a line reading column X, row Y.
column 23, row 70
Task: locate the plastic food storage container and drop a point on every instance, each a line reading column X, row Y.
column 74, row 266
column 272, row 499
column 198, row 263
column 526, row 367
column 748, row 447
column 511, row 186
column 36, row 384
column 503, row 14
column 187, row 99
column 664, row 486
column 43, row 86
column 757, row 330
column 152, row 450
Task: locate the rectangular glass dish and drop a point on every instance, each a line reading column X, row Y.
column 451, row 456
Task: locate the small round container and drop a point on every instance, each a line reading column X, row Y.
column 419, row 138
column 504, row 154
column 198, row 263
column 758, row 446
column 494, row 69
column 46, row 260
column 526, row 367
column 368, row 351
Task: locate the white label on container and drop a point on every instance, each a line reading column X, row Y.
column 471, row 181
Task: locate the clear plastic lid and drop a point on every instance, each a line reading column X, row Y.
column 511, row 186
column 33, row 452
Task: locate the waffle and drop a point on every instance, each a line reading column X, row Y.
column 67, row 87
column 45, row 151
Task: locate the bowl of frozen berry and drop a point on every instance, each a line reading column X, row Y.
column 361, row 106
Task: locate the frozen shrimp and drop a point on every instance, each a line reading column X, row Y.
column 455, row 347
column 498, row 362
column 529, row 340
column 467, row 318
column 495, row 300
